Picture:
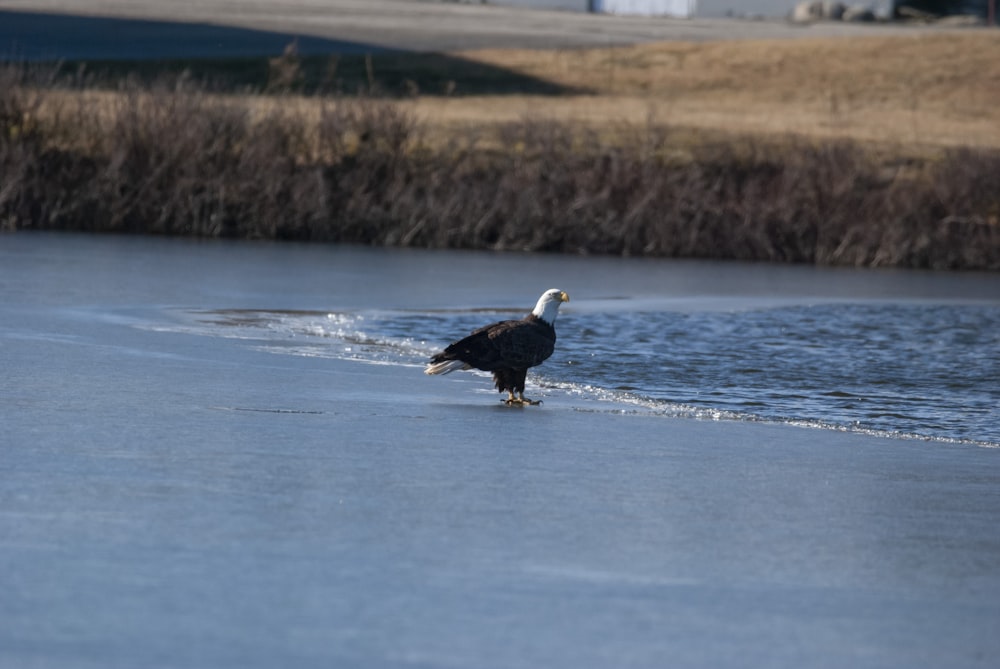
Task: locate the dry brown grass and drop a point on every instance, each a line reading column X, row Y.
column 905, row 93
column 913, row 90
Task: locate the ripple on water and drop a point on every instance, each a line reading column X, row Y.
column 921, row 371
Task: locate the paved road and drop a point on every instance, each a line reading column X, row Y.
column 42, row 29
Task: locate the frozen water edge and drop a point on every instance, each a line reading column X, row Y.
column 346, row 336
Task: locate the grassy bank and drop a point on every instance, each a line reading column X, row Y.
column 170, row 158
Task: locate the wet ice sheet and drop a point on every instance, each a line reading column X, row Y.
column 170, row 498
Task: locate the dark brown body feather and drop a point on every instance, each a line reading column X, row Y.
column 507, row 349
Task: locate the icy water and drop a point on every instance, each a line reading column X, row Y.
column 907, row 368
column 914, row 356
column 913, row 365
column 222, row 454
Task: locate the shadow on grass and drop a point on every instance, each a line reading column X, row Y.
column 225, row 58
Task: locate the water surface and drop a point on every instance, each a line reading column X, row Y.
column 911, row 355
column 911, row 369
column 225, row 454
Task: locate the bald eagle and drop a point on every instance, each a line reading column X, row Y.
column 507, row 348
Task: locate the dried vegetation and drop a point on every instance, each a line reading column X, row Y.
column 171, row 158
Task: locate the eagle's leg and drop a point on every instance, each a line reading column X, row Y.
column 512, row 401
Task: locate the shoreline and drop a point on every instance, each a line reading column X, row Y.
column 177, row 160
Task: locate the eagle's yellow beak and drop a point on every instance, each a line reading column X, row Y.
column 563, row 296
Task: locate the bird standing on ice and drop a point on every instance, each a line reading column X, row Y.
column 507, row 348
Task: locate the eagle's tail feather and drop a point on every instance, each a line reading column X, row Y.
column 446, row 367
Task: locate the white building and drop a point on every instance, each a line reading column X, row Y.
column 679, row 8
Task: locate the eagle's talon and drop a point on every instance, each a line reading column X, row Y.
column 521, row 401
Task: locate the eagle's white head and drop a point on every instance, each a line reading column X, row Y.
column 548, row 305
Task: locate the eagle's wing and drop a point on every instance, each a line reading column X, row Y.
column 476, row 350
column 507, row 344
column 522, row 344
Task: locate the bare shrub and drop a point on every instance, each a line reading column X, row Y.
column 173, row 159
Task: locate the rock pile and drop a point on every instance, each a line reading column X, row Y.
column 830, row 10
